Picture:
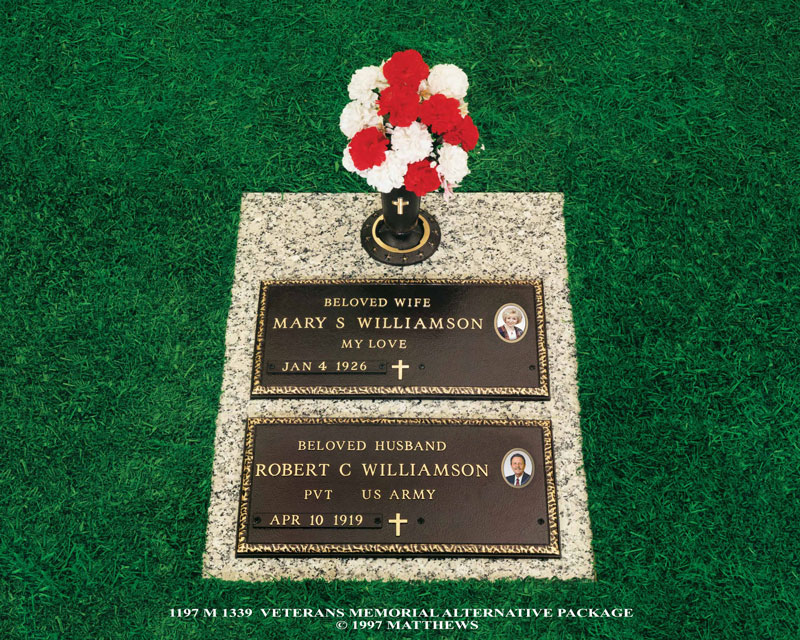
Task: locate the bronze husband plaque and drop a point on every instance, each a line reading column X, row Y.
column 397, row 487
column 401, row 339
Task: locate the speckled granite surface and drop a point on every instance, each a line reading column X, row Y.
column 311, row 235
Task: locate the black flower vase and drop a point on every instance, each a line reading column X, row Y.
column 400, row 233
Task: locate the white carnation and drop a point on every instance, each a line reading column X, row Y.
column 412, row 143
column 347, row 163
column 388, row 175
column 364, row 80
column 449, row 80
column 358, row 115
column 452, row 163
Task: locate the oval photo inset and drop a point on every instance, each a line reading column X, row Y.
column 517, row 468
column 511, row 323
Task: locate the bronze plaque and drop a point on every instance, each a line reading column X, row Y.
column 397, row 487
column 401, row 339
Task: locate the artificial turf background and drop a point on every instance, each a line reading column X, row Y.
column 128, row 135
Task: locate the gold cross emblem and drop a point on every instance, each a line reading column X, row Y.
column 400, row 366
column 400, row 203
column 397, row 522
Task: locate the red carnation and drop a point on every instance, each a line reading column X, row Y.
column 465, row 134
column 421, row 178
column 406, row 68
column 401, row 103
column 368, row 148
column 440, row 113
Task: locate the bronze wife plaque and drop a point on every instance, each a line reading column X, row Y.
column 401, row 339
column 398, row 487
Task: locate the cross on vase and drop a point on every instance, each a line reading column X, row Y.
column 400, row 203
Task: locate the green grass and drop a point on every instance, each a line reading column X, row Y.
column 128, row 135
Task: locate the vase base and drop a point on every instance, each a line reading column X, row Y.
column 411, row 248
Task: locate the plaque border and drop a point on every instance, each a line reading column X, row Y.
column 542, row 392
column 550, row 550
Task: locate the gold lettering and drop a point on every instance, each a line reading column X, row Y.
column 380, row 343
column 384, row 471
column 377, row 322
column 411, row 494
column 315, row 322
column 297, row 469
column 317, row 494
column 410, row 445
column 342, row 467
column 356, row 302
column 294, row 366
column 412, row 302
column 469, row 470
column 331, row 445
column 416, row 470
column 260, row 470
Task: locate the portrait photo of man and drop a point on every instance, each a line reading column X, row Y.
column 510, row 323
column 519, row 466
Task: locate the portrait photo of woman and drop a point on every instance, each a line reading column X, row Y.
column 510, row 323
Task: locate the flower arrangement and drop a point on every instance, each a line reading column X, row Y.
column 408, row 125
